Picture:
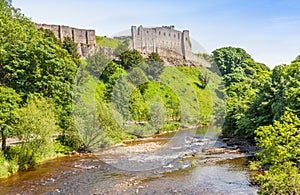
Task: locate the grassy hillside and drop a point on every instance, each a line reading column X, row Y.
column 177, row 97
column 199, row 101
column 103, row 41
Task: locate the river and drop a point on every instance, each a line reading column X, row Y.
column 165, row 164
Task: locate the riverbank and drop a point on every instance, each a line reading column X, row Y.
column 156, row 142
column 242, row 145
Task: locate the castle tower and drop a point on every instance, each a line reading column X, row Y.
column 185, row 44
column 141, row 39
column 133, row 34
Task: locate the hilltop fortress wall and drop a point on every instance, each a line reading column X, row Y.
column 86, row 39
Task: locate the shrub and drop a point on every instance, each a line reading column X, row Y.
column 281, row 179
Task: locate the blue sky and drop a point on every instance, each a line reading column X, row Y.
column 267, row 29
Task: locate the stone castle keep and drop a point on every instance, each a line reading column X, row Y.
column 166, row 41
column 86, row 39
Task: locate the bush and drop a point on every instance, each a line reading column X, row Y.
column 35, row 128
column 4, row 172
column 281, row 179
column 140, row 130
column 280, row 142
column 169, row 126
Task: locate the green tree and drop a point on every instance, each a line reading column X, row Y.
column 158, row 113
column 243, row 79
column 136, row 76
column 35, row 128
column 204, row 79
column 31, row 63
column 121, row 48
column 280, row 151
column 97, row 63
column 228, row 58
column 71, row 47
column 138, row 107
column 9, row 104
column 131, row 58
column 279, row 93
column 48, row 34
column 121, row 96
column 280, row 142
column 155, row 66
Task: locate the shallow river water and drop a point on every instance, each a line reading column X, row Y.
column 160, row 165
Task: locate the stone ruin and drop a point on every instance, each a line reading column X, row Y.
column 86, row 39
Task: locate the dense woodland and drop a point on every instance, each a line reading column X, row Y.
column 263, row 105
column 41, row 78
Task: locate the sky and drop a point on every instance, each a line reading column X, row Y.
column 269, row 30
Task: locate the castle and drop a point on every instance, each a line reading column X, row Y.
column 86, row 39
column 164, row 40
column 171, row 44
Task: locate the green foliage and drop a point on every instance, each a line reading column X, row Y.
column 280, row 151
column 138, row 107
column 169, row 126
column 136, row 76
column 29, row 63
column 158, row 113
column 109, row 71
column 131, row 58
column 243, row 79
column 198, row 101
column 35, row 128
column 204, row 79
column 280, row 179
column 121, row 96
column 97, row 63
column 32, row 61
column 69, row 136
column 155, row 66
column 266, row 105
column 122, row 47
column 131, row 96
column 9, row 104
column 280, row 142
column 149, row 92
column 280, row 93
column 48, row 34
column 4, row 172
column 69, row 45
column 140, row 130
column 229, row 58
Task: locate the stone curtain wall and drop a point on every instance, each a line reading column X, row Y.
column 86, row 39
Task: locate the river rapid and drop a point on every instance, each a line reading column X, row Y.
column 190, row 162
